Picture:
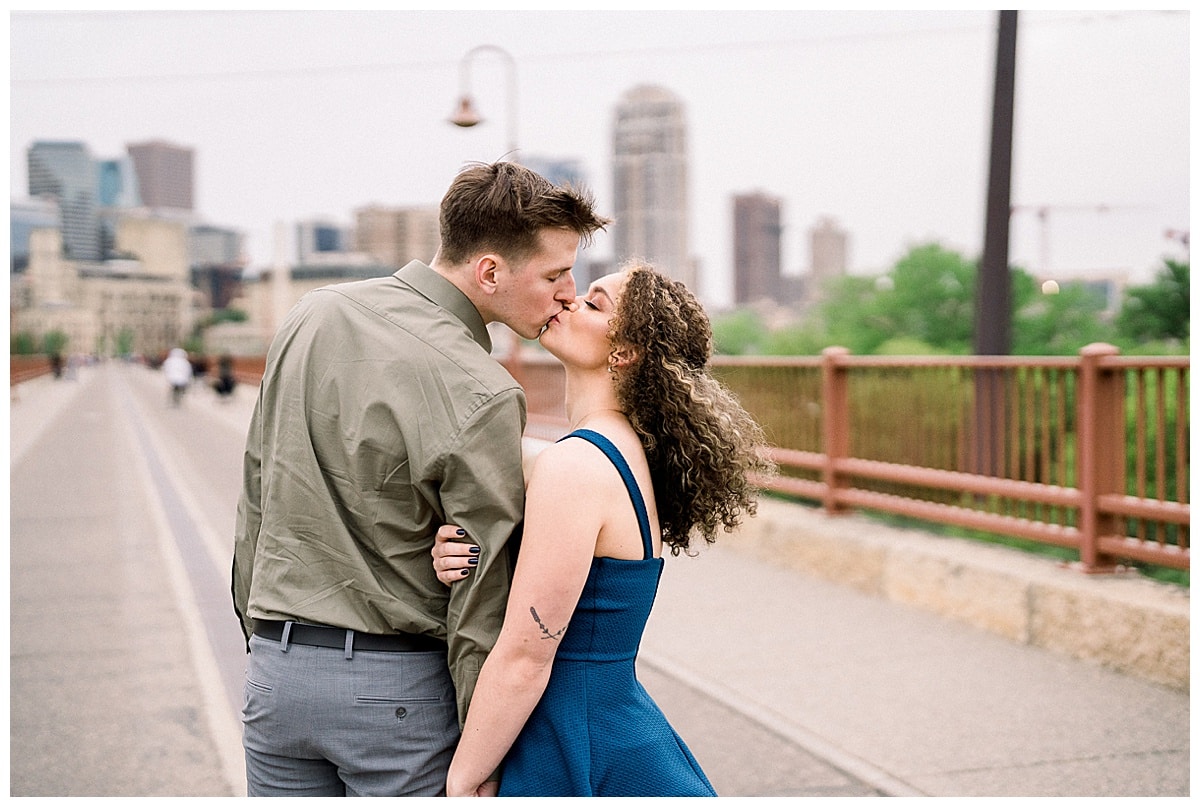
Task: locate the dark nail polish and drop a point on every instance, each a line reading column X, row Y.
column 474, row 550
column 460, row 532
column 472, row 561
column 466, row 572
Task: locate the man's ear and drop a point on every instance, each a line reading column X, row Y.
column 486, row 267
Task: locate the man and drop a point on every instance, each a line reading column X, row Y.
column 381, row 417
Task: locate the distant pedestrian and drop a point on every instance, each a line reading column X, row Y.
column 178, row 372
column 225, row 382
column 199, row 367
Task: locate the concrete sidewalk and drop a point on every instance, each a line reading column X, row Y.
column 905, row 700
column 107, row 696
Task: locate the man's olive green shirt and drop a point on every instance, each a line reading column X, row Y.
column 381, row 417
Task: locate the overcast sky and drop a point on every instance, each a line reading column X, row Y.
column 879, row 120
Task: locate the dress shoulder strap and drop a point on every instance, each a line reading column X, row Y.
column 635, row 494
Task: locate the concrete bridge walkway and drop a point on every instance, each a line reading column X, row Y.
column 126, row 661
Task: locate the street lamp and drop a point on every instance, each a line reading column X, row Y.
column 466, row 115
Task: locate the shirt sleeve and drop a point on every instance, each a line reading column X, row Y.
column 483, row 492
column 249, row 521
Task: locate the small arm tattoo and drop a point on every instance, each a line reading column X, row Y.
column 541, row 625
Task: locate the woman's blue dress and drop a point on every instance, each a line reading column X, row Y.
column 596, row 732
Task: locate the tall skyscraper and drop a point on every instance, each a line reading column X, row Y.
column 65, row 172
column 756, row 248
column 164, row 174
column 650, row 182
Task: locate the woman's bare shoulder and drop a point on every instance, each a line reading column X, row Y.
column 569, row 457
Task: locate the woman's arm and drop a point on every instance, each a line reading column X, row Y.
column 557, row 546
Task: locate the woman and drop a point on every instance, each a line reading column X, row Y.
column 659, row 453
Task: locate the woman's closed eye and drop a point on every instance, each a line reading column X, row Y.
column 591, row 305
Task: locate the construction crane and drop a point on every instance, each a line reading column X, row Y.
column 1184, row 237
column 1043, row 215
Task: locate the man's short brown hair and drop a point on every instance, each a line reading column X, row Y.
column 503, row 206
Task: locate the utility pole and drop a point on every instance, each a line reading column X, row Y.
column 993, row 296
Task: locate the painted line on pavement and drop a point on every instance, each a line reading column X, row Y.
column 773, row 721
column 223, row 724
column 219, row 551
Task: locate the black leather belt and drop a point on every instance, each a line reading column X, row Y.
column 325, row 636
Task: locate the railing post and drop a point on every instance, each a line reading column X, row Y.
column 835, row 424
column 1100, row 452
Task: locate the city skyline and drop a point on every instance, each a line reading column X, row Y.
column 877, row 120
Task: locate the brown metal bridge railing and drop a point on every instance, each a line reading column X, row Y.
column 1087, row 452
column 27, row 368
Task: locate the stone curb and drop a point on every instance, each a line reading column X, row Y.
column 1124, row 622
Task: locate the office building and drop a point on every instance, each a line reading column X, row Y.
column 25, row 216
column 267, row 296
column 650, row 182
column 116, row 183
column 64, row 172
column 114, row 307
column 756, row 248
column 216, row 262
column 828, row 256
column 393, row 236
column 164, row 174
column 318, row 239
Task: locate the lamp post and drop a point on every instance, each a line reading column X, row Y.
column 466, row 115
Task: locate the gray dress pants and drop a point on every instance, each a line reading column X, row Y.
column 316, row 723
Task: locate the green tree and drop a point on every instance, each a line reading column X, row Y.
column 926, row 305
column 228, row 315
column 54, row 342
column 22, row 343
column 905, row 346
column 125, row 342
column 1055, row 324
column 194, row 344
column 1160, row 310
column 847, row 315
column 793, row 340
column 933, row 298
column 738, row 333
column 928, row 296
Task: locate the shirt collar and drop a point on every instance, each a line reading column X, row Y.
column 441, row 291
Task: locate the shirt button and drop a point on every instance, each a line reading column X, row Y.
column 401, row 712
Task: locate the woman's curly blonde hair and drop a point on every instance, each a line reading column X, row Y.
column 702, row 446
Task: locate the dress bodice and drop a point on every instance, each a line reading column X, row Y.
column 619, row 593
column 596, row 731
